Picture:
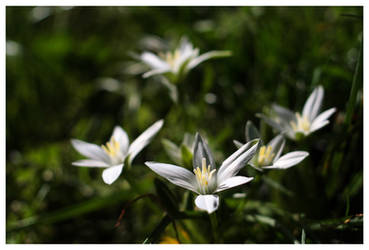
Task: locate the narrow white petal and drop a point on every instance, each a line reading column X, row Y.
column 201, row 150
column 277, row 144
column 121, row 136
column 90, row 150
column 238, row 144
column 290, row 159
column 155, row 72
column 206, row 56
column 153, row 61
column 175, row 174
column 284, row 113
column 90, row 163
column 208, row 202
column 110, row 174
column 313, row 103
column 144, row 139
column 321, row 119
column 318, row 125
column 233, row 182
column 233, row 164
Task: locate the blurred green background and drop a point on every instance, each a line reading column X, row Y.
column 70, row 74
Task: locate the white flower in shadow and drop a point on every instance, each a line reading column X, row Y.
column 296, row 125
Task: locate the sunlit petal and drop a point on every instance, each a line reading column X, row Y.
column 209, row 202
column 233, row 182
column 144, row 139
column 90, row 150
column 175, row 174
column 110, row 174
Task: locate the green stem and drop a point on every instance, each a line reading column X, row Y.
column 214, row 226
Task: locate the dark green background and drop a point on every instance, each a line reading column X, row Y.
column 58, row 60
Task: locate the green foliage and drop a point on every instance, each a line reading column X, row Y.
column 70, row 74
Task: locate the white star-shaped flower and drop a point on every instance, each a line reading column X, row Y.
column 177, row 63
column 295, row 125
column 117, row 150
column 269, row 156
column 206, row 180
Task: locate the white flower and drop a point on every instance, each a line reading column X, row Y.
column 112, row 156
column 269, row 156
column 206, row 180
column 297, row 125
column 178, row 63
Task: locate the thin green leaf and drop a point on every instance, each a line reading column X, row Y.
column 159, row 229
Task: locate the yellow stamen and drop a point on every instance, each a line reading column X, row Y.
column 112, row 147
column 265, row 156
column 172, row 57
column 204, row 176
column 302, row 124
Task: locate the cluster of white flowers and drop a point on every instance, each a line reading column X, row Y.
column 206, row 180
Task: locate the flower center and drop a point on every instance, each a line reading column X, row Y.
column 172, row 57
column 265, row 156
column 112, row 148
column 302, row 124
column 204, row 177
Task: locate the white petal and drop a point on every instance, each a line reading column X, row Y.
column 202, row 150
column 289, row 160
column 233, row 164
column 90, row 163
column 206, row 56
column 153, row 61
column 277, row 144
column 155, row 72
column 284, row 113
column 318, row 126
column 121, row 136
column 144, row 139
column 90, row 150
column 209, row 202
column 238, row 144
column 233, row 182
column 313, row 103
column 185, row 45
column 175, row 174
column 321, row 120
column 110, row 174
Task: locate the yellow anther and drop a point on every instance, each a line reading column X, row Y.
column 172, row 57
column 302, row 124
column 265, row 156
column 204, row 175
column 112, row 147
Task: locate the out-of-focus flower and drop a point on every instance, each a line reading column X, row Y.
column 268, row 156
column 206, row 180
column 181, row 154
column 115, row 153
column 176, row 64
column 297, row 125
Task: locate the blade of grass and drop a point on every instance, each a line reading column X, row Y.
column 354, row 90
